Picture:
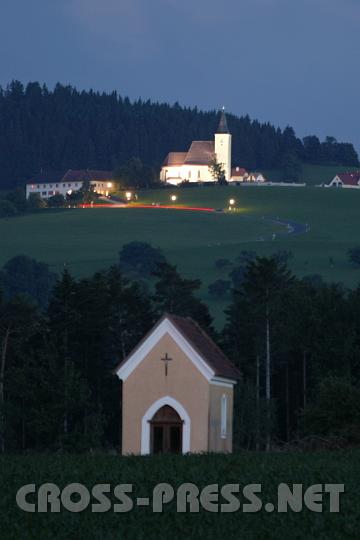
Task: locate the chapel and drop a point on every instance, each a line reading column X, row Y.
column 178, row 392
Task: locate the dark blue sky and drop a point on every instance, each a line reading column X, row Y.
column 287, row 61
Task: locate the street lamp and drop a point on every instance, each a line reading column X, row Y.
column 173, row 198
column 231, row 204
column 128, row 195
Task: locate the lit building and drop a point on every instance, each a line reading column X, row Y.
column 48, row 185
column 193, row 165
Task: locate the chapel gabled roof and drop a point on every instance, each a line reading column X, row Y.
column 203, row 345
column 206, row 347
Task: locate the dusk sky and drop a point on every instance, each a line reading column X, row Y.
column 283, row 61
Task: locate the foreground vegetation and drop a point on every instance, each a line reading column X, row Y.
column 144, row 473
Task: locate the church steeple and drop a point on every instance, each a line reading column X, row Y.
column 223, row 127
column 223, row 145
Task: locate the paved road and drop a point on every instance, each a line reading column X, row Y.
column 292, row 228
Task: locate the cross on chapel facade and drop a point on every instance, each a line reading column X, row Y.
column 166, row 361
column 187, row 407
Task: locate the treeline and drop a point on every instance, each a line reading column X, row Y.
column 297, row 343
column 65, row 128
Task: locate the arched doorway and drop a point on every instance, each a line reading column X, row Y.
column 166, row 431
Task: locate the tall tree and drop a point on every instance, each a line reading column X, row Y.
column 174, row 294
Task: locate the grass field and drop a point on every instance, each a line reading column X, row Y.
column 270, row 470
column 90, row 239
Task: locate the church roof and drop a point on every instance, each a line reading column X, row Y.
column 201, row 343
column 174, row 159
column 223, row 127
column 200, row 153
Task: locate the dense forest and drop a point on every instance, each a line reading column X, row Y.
column 65, row 128
column 296, row 342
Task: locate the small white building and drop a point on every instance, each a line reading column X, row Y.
column 346, row 180
column 193, row 165
column 56, row 184
column 256, row 177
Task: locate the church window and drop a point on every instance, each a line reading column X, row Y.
column 199, row 175
column 223, row 416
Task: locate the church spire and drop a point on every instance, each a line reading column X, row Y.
column 223, row 127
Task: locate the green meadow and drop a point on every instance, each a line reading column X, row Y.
column 140, row 523
column 86, row 240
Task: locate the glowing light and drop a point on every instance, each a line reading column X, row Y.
column 109, row 185
column 69, row 192
column 232, row 202
column 128, row 195
column 173, row 198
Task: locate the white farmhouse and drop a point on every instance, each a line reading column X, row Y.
column 346, row 180
column 47, row 186
column 193, row 165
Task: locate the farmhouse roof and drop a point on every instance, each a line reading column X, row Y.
column 86, row 174
column 199, row 341
column 50, row 177
column 350, row 178
column 238, row 171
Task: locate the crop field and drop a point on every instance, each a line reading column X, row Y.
column 340, row 467
column 86, row 240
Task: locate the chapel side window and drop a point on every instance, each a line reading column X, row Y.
column 224, row 401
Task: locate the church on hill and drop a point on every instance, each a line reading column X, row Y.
column 177, row 392
column 193, row 165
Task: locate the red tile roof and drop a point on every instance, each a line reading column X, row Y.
column 86, row 174
column 350, row 178
column 200, row 341
column 51, row 177
column 206, row 347
column 238, row 171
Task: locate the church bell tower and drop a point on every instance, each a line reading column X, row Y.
column 223, row 145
